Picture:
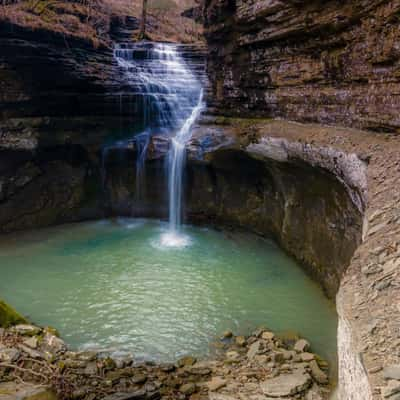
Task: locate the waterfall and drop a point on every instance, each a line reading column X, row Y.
column 175, row 167
column 169, row 95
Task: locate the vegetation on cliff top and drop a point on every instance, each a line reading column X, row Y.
column 90, row 19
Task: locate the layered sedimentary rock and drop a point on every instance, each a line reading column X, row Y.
column 335, row 63
column 328, row 196
column 329, row 62
column 367, row 166
column 311, row 199
column 61, row 99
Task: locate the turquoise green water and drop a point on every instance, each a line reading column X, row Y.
column 112, row 285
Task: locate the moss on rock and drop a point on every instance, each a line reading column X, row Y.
column 8, row 316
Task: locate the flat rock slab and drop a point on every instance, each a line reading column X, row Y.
column 218, row 396
column 138, row 395
column 392, row 372
column 16, row 391
column 286, row 385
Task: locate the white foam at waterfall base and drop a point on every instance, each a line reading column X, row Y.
column 172, row 239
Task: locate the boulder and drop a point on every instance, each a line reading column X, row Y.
column 25, row 391
column 8, row 354
column 253, row 350
column 302, row 346
column 318, row 375
column 216, row 383
column 392, row 372
column 286, row 385
column 240, row 341
column 218, row 396
column 392, row 389
column 53, row 344
column 137, row 395
column 27, row 330
column 307, row 357
column 267, row 335
column 31, row 342
column 31, row 352
column 186, row 361
column 188, row 388
column 227, row 335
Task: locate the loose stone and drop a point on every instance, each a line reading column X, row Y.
column 307, row 357
column 240, row 341
column 391, row 389
column 9, row 354
column 286, row 385
column 302, row 346
column 216, row 383
column 138, row 379
column 188, row 388
column 186, row 361
column 227, row 335
column 253, row 350
column 262, row 368
column 31, row 342
column 267, row 335
column 318, row 375
column 27, row 330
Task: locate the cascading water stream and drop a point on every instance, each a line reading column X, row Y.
column 170, row 96
column 176, row 165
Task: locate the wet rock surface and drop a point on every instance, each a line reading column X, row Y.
column 266, row 367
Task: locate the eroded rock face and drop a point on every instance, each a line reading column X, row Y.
column 309, row 198
column 313, row 61
column 292, row 194
column 52, row 185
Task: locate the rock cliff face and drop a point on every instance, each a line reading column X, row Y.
column 336, row 63
column 330, row 61
column 309, row 198
column 61, row 98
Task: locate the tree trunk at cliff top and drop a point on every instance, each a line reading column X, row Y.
column 142, row 31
